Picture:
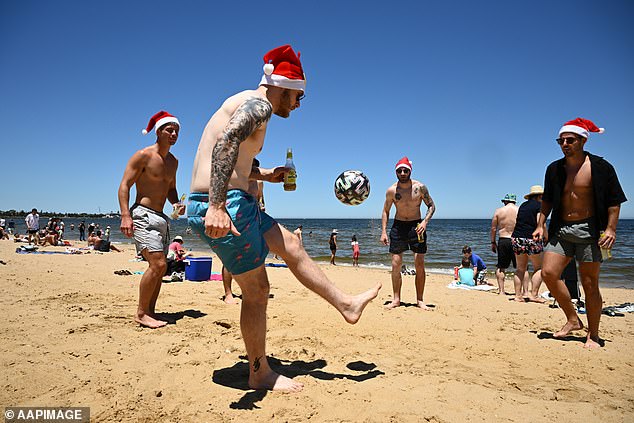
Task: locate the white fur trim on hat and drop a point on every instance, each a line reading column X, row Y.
column 165, row 120
column 283, row 82
column 578, row 130
column 403, row 165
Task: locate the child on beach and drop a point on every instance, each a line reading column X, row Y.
column 355, row 251
column 463, row 274
column 479, row 268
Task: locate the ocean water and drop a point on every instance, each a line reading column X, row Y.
column 445, row 239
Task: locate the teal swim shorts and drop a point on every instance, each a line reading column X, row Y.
column 239, row 254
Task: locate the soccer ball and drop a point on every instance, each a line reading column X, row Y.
column 352, row 187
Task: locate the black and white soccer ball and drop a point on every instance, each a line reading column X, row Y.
column 352, row 187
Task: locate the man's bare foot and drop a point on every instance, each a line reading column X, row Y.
column 229, row 299
column 148, row 321
column 592, row 343
column 274, row 382
column 393, row 304
column 568, row 327
column 423, row 306
column 353, row 310
column 519, row 299
column 502, row 293
column 536, row 300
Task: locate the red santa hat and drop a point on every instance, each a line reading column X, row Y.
column 282, row 68
column 581, row 126
column 404, row 162
column 158, row 120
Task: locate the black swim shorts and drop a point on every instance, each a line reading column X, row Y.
column 505, row 253
column 403, row 237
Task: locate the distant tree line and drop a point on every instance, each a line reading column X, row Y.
column 23, row 213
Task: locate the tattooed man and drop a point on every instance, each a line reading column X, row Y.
column 409, row 231
column 231, row 222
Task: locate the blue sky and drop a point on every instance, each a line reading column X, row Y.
column 472, row 92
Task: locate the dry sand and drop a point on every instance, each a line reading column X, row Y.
column 68, row 339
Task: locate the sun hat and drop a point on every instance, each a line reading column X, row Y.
column 334, row 231
column 511, row 198
column 535, row 190
column 178, row 238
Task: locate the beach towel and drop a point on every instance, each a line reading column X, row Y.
column 454, row 285
column 276, row 265
column 19, row 251
column 215, row 277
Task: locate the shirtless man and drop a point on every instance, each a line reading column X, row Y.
column 153, row 170
column 408, row 231
column 584, row 194
column 230, row 221
column 503, row 223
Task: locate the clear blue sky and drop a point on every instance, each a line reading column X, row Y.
column 472, row 92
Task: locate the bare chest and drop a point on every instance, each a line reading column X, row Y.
column 578, row 180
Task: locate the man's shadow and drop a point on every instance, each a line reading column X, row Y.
column 237, row 376
column 172, row 318
column 404, row 304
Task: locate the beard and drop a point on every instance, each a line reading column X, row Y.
column 284, row 108
column 404, row 178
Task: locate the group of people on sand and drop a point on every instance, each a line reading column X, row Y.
column 224, row 212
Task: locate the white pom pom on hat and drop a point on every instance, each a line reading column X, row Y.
column 268, row 68
column 144, row 132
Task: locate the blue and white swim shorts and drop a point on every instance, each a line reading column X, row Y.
column 239, row 254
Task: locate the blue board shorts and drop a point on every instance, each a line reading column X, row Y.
column 239, row 254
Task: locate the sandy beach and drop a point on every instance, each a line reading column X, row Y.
column 68, row 339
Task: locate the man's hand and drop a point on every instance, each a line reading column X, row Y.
column 420, row 228
column 607, row 239
column 180, row 207
column 384, row 238
column 274, row 175
column 218, row 223
column 540, row 233
column 494, row 247
column 127, row 227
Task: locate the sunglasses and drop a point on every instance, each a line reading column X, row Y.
column 568, row 140
column 402, row 170
column 301, row 97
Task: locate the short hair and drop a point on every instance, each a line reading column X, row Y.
column 466, row 249
column 98, row 232
column 466, row 262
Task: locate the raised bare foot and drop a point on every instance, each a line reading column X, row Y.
column 592, row 343
column 229, row 299
column 353, row 310
column 148, row 321
column 423, row 306
column 274, row 382
column 568, row 327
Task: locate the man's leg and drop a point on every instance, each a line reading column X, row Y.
column 553, row 265
column 589, row 273
column 520, row 275
column 286, row 245
column 397, row 280
column 419, row 264
column 500, row 275
column 255, row 295
column 149, row 288
column 226, row 283
column 536, row 280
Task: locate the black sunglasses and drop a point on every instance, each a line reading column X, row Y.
column 568, row 140
column 301, row 97
column 402, row 170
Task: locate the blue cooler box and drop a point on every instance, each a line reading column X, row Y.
column 198, row 268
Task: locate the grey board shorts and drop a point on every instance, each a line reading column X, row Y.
column 151, row 229
column 575, row 239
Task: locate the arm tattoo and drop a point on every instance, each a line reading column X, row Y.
column 246, row 119
column 431, row 207
column 256, row 364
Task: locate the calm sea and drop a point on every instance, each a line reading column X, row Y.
column 445, row 239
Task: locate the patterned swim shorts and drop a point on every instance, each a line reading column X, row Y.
column 527, row 246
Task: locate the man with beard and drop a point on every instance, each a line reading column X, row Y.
column 230, row 220
column 584, row 194
column 409, row 231
column 153, row 170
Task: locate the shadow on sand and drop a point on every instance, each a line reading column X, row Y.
column 568, row 338
column 237, row 376
column 172, row 318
